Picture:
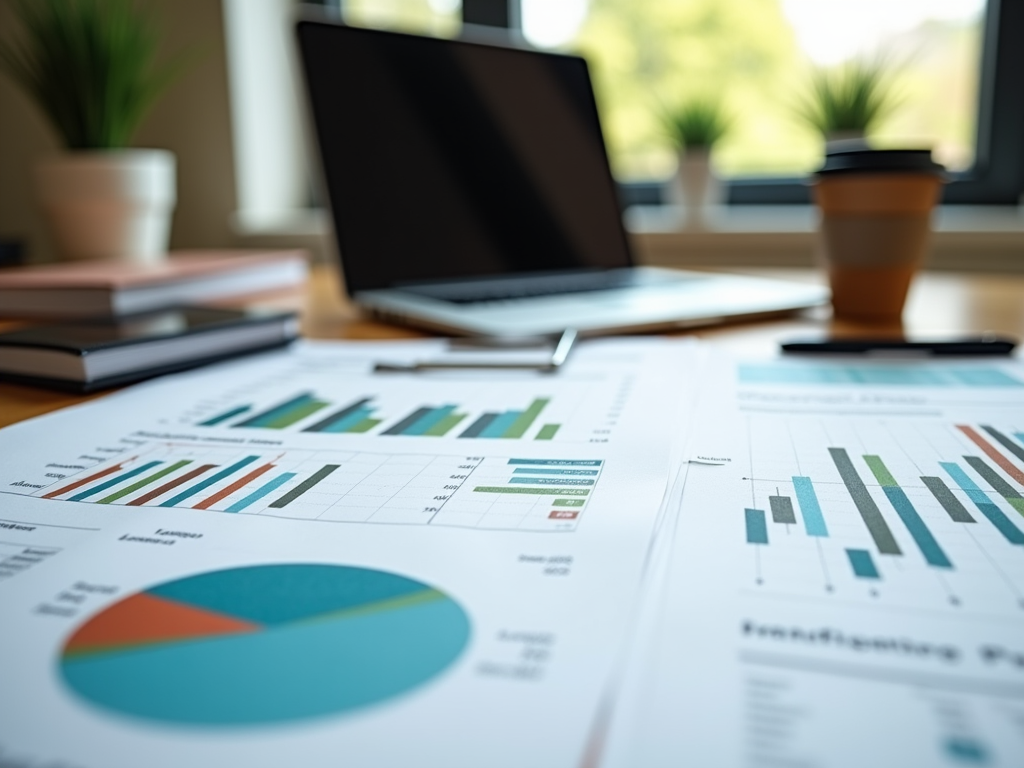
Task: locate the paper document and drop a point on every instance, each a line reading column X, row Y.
column 845, row 586
column 290, row 560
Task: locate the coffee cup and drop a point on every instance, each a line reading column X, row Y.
column 875, row 226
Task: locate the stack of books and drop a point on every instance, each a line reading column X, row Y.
column 112, row 323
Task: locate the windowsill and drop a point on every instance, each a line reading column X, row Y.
column 975, row 238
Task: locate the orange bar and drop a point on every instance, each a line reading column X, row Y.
column 84, row 480
column 167, row 486
column 993, row 454
column 228, row 490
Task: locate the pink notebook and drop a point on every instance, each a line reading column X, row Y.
column 83, row 289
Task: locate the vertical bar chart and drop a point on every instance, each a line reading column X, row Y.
column 220, row 418
column 353, row 418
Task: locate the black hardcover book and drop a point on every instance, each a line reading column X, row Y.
column 95, row 354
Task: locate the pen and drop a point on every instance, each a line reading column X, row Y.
column 981, row 345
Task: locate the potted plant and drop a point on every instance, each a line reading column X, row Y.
column 694, row 128
column 89, row 66
column 844, row 104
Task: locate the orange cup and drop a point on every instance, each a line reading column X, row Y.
column 875, row 227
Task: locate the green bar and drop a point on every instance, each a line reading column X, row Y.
column 880, row 471
column 522, row 423
column 568, row 502
column 144, row 482
column 363, row 426
column 441, row 428
column 547, row 432
column 296, row 414
column 533, row 491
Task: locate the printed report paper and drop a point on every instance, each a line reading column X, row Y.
column 290, row 560
column 845, row 586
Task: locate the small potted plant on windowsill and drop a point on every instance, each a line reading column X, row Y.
column 695, row 127
column 89, row 66
column 846, row 103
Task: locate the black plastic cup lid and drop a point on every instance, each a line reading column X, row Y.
column 881, row 161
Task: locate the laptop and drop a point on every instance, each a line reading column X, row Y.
column 471, row 193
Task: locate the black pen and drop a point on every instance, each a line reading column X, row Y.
column 981, row 345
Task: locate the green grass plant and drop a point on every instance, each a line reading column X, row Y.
column 696, row 124
column 89, row 65
column 853, row 97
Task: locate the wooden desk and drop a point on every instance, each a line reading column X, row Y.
column 941, row 303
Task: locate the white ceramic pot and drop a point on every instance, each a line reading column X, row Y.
column 109, row 204
column 697, row 187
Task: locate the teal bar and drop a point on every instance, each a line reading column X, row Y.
column 757, row 527
column 226, row 415
column 929, row 547
column 993, row 513
column 346, row 422
column 862, row 563
column 421, row 425
column 559, row 462
column 268, row 417
column 875, row 375
column 544, row 471
column 204, row 484
column 1019, row 436
column 497, row 427
column 810, row 509
column 258, row 494
column 549, row 481
column 114, row 481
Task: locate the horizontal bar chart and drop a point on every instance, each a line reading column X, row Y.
column 989, row 450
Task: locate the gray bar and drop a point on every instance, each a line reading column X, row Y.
column 999, row 485
column 479, row 425
column 304, row 486
column 1004, row 441
column 956, row 511
column 782, row 510
column 869, row 512
column 324, row 423
column 407, row 422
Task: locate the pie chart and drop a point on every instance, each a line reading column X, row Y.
column 264, row 644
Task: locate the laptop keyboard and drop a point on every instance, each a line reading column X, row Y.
column 509, row 289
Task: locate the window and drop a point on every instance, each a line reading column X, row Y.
column 959, row 78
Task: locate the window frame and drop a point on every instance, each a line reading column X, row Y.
column 997, row 176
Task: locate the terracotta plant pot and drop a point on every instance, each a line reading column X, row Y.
column 109, row 204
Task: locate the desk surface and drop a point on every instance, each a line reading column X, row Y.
column 941, row 303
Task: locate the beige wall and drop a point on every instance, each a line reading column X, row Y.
column 192, row 119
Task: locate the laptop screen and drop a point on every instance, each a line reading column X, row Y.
column 446, row 159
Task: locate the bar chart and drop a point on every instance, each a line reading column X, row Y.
column 360, row 487
column 363, row 416
column 887, row 509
